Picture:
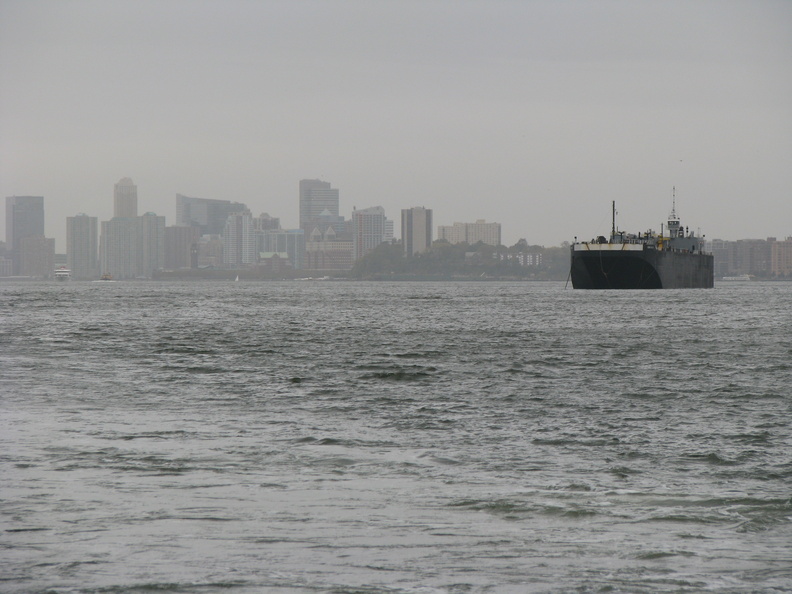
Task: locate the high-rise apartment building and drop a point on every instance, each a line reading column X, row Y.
column 239, row 240
column 118, row 248
column 125, row 199
column 416, row 230
column 207, row 214
column 781, row 258
column 82, row 242
column 471, row 233
column 317, row 198
column 369, row 229
column 151, row 244
column 24, row 218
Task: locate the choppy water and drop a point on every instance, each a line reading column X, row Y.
column 413, row 437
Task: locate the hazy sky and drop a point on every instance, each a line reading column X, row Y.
column 535, row 114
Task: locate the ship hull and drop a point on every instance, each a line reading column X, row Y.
column 641, row 269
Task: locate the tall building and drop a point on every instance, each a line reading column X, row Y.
column 118, row 247
column 239, row 240
column 207, row 214
column 181, row 247
column 471, row 233
column 416, row 230
column 151, row 244
column 82, row 242
column 288, row 241
column 24, row 218
column 125, row 199
column 781, row 258
column 264, row 222
column 36, row 256
column 316, row 197
column 369, row 229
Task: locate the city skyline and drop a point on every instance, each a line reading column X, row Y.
column 542, row 112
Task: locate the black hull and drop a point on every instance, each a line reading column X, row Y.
column 645, row 269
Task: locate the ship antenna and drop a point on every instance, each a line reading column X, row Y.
column 613, row 223
column 673, row 202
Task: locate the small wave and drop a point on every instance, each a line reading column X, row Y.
column 649, row 555
column 402, row 374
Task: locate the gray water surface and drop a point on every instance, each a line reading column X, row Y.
column 394, row 437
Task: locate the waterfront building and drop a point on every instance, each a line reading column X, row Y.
column 118, row 247
column 125, row 200
column 471, row 233
column 317, row 199
column 210, row 251
column 24, row 218
column 290, row 242
column 239, row 240
column 82, row 242
column 781, row 258
column 207, row 214
column 6, row 266
column 328, row 251
column 151, row 244
column 368, row 230
column 36, row 256
column 416, row 230
column 181, row 247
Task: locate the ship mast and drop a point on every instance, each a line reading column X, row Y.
column 613, row 221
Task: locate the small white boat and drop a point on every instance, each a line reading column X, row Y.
column 62, row 274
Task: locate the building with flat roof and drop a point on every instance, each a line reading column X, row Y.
column 781, row 258
column 317, row 198
column 284, row 241
column 416, row 230
column 24, row 218
column 118, row 247
column 37, row 256
column 369, row 229
column 151, row 244
column 181, row 247
column 471, row 233
column 239, row 240
column 82, row 245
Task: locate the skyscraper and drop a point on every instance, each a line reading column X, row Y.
column 24, row 218
column 36, row 256
column 239, row 240
column 125, row 199
column 151, row 244
column 416, row 230
column 316, row 197
column 82, row 241
column 368, row 229
column 289, row 241
column 118, row 250
column 207, row 214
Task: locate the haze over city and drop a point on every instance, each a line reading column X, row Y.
column 532, row 114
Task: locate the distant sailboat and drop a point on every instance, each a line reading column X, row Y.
column 237, row 279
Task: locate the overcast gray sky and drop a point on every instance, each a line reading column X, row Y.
column 535, row 114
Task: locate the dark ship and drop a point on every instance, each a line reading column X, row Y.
column 673, row 259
